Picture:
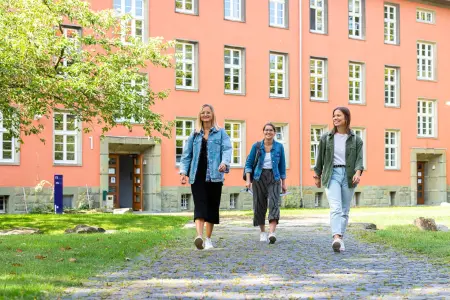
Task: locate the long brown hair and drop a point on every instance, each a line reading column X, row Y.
column 347, row 116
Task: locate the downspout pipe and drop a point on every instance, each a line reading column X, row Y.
column 300, row 14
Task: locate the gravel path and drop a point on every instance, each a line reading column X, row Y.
column 300, row 265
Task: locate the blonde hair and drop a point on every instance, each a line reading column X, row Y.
column 213, row 120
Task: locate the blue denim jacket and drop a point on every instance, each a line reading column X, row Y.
column 219, row 151
column 278, row 161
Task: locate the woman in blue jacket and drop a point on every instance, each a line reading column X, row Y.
column 269, row 178
column 206, row 157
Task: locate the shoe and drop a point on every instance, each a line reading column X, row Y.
column 208, row 244
column 198, row 242
column 342, row 249
column 272, row 238
column 336, row 245
column 263, row 237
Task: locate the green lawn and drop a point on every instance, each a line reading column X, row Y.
column 44, row 265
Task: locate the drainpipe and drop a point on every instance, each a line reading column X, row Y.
column 301, row 98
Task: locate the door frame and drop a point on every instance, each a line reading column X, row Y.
column 421, row 182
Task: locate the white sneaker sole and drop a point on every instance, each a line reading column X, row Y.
column 272, row 240
column 199, row 243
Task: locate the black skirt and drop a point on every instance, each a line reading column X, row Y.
column 206, row 194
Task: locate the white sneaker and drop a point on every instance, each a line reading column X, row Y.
column 336, row 245
column 198, row 242
column 342, row 246
column 208, row 244
column 263, row 237
column 272, row 238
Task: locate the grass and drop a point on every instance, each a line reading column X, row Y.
column 42, row 266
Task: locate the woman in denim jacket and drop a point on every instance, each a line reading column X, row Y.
column 206, row 157
column 339, row 166
column 269, row 178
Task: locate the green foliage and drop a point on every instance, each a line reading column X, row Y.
column 41, row 69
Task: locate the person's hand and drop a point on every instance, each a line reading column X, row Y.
column 183, row 179
column 248, row 185
column 318, row 182
column 356, row 178
column 283, row 188
column 222, row 167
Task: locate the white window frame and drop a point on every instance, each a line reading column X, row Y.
column 230, row 67
column 65, row 133
column 320, row 16
column 66, row 29
column 352, row 14
column 277, row 8
column 391, row 86
column 3, row 200
column 315, row 133
column 392, row 149
column 234, row 200
column 318, row 72
column 13, row 142
column 184, row 203
column 121, row 10
column 391, row 23
column 426, row 60
column 282, row 136
column 184, row 60
column 423, row 14
column 180, row 7
column 133, row 83
column 426, row 121
column 232, row 6
column 362, row 135
column 236, row 142
column 277, row 72
column 354, row 81
column 184, row 135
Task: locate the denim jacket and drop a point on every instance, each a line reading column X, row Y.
column 325, row 157
column 278, row 161
column 219, row 151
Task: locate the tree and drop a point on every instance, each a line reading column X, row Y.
column 45, row 67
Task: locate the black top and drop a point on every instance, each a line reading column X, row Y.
column 202, row 161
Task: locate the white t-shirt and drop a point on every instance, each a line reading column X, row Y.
column 267, row 161
column 339, row 148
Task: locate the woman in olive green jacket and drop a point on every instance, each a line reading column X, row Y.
column 339, row 168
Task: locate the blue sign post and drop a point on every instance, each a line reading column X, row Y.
column 58, row 194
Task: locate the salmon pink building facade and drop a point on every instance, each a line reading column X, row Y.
column 256, row 61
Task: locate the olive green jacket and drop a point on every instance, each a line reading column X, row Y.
column 325, row 157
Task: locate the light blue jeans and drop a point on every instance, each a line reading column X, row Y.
column 339, row 198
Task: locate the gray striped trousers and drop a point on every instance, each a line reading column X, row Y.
column 266, row 192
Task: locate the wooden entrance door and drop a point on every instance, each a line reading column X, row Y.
column 113, row 178
column 137, row 182
column 420, row 182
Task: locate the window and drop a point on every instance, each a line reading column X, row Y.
column 356, row 83
column 8, row 144
column 183, row 131
column 318, row 16
column 234, row 10
column 425, row 61
column 278, row 75
column 355, row 18
column 72, row 33
column 3, row 200
column 185, row 201
column 186, row 6
column 278, row 13
column 317, row 79
column 391, row 86
column 233, row 200
column 66, row 140
column 426, row 118
column 186, row 65
column 137, row 86
column 391, row 24
column 361, row 132
column 391, row 149
column 233, row 70
column 316, row 133
column 135, row 26
column 234, row 131
column 282, row 136
column 425, row 16
column 318, row 199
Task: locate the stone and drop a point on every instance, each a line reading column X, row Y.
column 441, row 227
column 20, row 230
column 81, row 228
column 427, row 224
column 121, row 211
column 365, row 226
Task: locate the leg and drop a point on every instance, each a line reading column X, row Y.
column 199, row 223
column 347, row 195
column 259, row 204
column 274, row 189
column 334, row 196
column 209, row 229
